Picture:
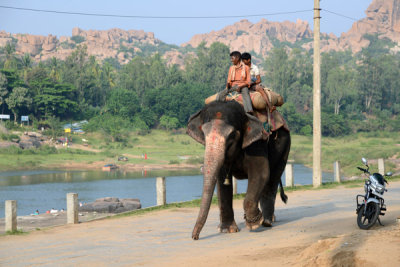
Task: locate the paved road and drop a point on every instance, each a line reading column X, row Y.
column 164, row 238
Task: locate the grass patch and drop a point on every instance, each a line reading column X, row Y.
column 16, row 232
column 348, row 150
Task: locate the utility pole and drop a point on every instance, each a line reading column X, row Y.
column 317, row 174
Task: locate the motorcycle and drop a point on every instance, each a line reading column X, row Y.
column 372, row 204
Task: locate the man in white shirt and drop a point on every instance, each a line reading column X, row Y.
column 254, row 71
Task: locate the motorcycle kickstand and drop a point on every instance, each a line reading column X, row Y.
column 380, row 222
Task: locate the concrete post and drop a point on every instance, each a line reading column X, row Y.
column 381, row 166
column 72, row 208
column 234, row 184
column 289, row 175
column 317, row 172
column 11, row 215
column 336, row 171
column 161, row 191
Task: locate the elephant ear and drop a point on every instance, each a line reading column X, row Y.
column 253, row 131
column 194, row 128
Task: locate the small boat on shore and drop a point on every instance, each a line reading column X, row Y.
column 109, row 167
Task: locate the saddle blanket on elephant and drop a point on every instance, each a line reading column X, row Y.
column 257, row 100
column 276, row 120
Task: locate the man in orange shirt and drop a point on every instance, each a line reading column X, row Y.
column 239, row 79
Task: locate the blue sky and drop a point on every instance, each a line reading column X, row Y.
column 172, row 31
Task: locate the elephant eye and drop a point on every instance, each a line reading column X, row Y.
column 230, row 140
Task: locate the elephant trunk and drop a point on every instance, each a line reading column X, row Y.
column 213, row 161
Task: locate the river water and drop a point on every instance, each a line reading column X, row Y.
column 44, row 190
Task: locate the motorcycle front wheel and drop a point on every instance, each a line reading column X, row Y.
column 366, row 218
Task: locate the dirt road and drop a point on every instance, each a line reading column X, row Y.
column 316, row 228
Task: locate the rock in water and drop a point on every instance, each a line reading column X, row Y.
column 112, row 205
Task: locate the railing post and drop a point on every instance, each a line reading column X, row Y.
column 161, row 191
column 234, row 185
column 381, row 166
column 11, row 215
column 289, row 175
column 72, row 208
column 336, row 171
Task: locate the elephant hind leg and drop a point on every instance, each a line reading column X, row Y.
column 256, row 183
column 279, row 152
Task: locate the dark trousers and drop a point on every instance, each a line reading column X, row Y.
column 246, row 100
column 245, row 96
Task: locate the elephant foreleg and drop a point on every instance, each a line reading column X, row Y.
column 225, row 194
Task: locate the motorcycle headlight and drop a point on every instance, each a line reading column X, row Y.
column 380, row 189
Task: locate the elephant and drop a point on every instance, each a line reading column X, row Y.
column 234, row 146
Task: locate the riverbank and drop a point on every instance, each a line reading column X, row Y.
column 177, row 151
column 315, row 228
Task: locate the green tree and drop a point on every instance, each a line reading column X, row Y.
column 278, row 74
column 340, row 85
column 18, row 98
column 55, row 99
column 11, row 62
column 369, row 81
column 26, row 62
column 113, row 127
column 79, row 70
column 122, row 102
column 169, row 123
column 55, row 126
column 210, row 66
column 3, row 90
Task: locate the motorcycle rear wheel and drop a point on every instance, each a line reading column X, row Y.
column 367, row 218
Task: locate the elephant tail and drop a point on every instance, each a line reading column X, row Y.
column 283, row 195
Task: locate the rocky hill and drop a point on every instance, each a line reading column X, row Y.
column 382, row 18
column 259, row 38
column 115, row 43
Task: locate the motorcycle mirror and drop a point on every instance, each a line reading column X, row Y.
column 364, row 161
column 389, row 174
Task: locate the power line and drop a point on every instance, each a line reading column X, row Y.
column 154, row 17
column 340, row 15
column 358, row 20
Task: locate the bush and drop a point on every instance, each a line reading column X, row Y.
column 195, row 160
column 306, row 130
column 168, row 122
column 334, row 125
column 9, row 137
column 114, row 127
column 10, row 125
column 78, row 39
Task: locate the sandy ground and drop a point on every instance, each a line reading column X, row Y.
column 315, row 228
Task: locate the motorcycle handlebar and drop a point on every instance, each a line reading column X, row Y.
column 361, row 169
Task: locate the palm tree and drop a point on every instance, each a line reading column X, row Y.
column 55, row 69
column 9, row 50
column 26, row 62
